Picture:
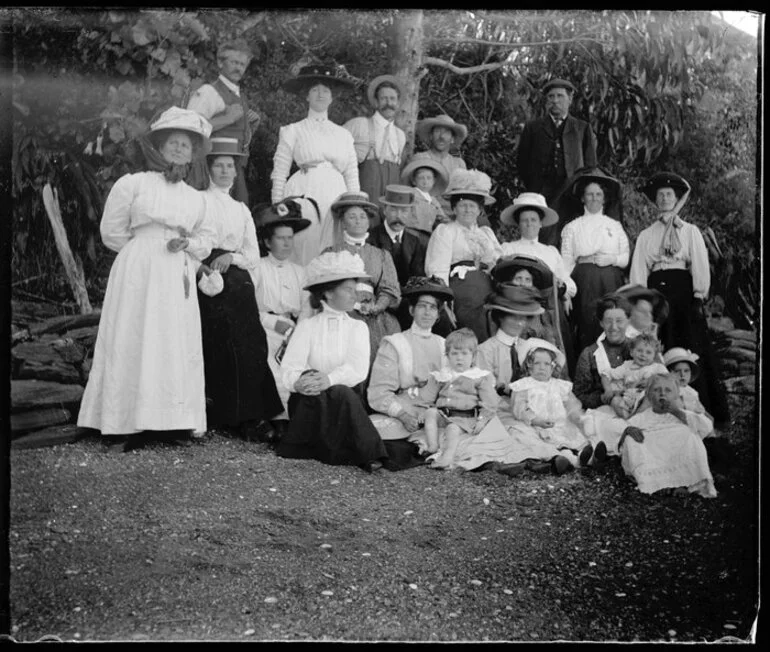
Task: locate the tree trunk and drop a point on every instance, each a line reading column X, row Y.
column 407, row 55
column 72, row 267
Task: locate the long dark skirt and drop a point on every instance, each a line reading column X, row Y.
column 686, row 326
column 471, row 293
column 593, row 282
column 374, row 177
column 332, row 427
column 239, row 384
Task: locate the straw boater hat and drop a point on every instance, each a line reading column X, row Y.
column 470, row 182
column 507, row 266
column 532, row 343
column 442, row 176
column 417, row 285
column 371, row 90
column 347, row 199
column 558, row 83
column 334, row 266
column 678, row 354
column 532, row 201
column 665, row 180
column 635, row 292
column 396, row 195
column 177, row 119
column 285, row 213
column 225, row 147
column 582, row 177
column 317, row 74
column 516, row 301
column 425, row 127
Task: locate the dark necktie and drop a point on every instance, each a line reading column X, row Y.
column 396, row 245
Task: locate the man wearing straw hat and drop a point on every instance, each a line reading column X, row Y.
column 225, row 107
column 378, row 141
column 554, row 147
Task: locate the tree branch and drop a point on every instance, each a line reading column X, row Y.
column 513, row 46
column 440, row 63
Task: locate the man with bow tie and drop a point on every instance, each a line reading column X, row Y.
column 552, row 148
column 224, row 106
column 379, row 143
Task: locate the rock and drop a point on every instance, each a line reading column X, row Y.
column 738, row 334
column 52, row 436
column 37, row 419
column 741, row 384
column 28, row 394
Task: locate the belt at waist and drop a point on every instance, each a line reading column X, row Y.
column 674, row 264
column 155, row 230
column 587, row 259
column 468, row 263
column 315, row 164
column 454, row 412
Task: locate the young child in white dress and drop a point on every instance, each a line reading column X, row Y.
column 683, row 365
column 546, row 403
column 628, row 382
column 463, row 396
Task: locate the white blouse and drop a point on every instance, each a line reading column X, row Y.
column 389, row 140
column 314, row 140
column 278, row 285
column 330, row 342
column 235, row 227
column 548, row 254
column 146, row 198
column 594, row 233
column 451, row 242
column 693, row 256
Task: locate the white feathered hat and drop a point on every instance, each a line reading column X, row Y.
column 470, row 182
column 334, row 266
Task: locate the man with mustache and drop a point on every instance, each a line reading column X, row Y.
column 552, row 148
column 224, row 106
column 378, row 141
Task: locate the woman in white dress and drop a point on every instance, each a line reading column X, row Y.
column 322, row 150
column 147, row 372
column 240, row 389
column 595, row 249
column 279, row 283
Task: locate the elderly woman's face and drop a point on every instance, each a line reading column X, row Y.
column 529, row 224
column 222, row 171
column 355, row 221
column 593, row 198
column 641, row 315
column 178, row 148
column 522, row 278
column 342, row 297
column 665, row 199
column 613, row 323
column 319, row 97
column 425, row 311
column 467, row 212
column 662, row 393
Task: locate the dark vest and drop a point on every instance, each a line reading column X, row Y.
column 555, row 167
column 240, row 128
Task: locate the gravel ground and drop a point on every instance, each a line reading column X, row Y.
column 225, row 541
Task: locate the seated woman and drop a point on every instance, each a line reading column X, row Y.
column 240, row 388
column 661, row 448
column 325, row 364
column 649, row 309
column 351, row 213
column 404, row 361
column 461, row 252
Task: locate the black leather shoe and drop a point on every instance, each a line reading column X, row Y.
column 371, row 466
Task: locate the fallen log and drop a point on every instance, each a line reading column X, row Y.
column 747, row 368
column 57, row 372
column 38, row 419
column 28, row 394
column 729, row 367
column 66, row 322
column 740, row 334
column 52, row 436
column 741, row 355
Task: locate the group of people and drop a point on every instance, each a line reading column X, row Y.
column 369, row 315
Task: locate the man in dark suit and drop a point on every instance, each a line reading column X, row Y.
column 552, row 148
column 406, row 245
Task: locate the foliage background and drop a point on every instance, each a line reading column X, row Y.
column 662, row 90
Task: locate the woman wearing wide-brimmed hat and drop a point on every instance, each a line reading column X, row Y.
column 378, row 297
column 404, row 361
column 530, row 213
column 147, row 371
column 649, row 309
column 279, row 283
column 324, row 367
column 460, row 252
column 671, row 256
column 322, row 150
column 241, row 393
column 595, row 249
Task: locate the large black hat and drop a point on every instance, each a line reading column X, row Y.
column 516, row 301
column 635, row 292
column 582, row 177
column 285, row 213
column 417, row 285
column 664, row 180
column 317, row 74
column 507, row 266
